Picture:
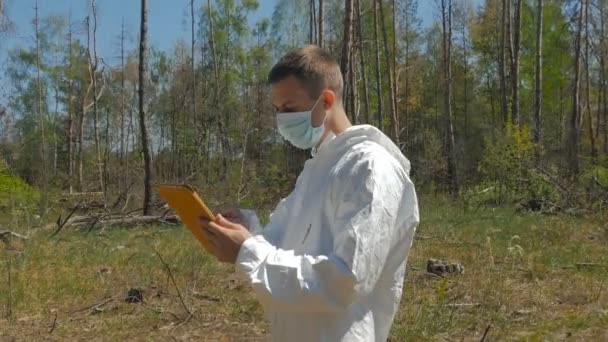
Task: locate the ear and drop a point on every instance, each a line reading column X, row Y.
column 329, row 98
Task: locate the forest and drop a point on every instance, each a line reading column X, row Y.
column 502, row 102
column 500, row 105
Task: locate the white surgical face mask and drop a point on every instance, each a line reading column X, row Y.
column 298, row 130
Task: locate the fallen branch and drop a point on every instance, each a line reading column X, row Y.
column 54, row 324
column 61, row 223
column 181, row 299
column 485, row 333
column 94, row 306
column 462, row 305
column 110, row 220
column 589, row 265
column 6, row 235
column 423, row 237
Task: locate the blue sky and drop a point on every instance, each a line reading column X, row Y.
column 168, row 22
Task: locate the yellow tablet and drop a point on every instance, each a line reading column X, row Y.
column 189, row 207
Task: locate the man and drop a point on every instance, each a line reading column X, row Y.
column 330, row 264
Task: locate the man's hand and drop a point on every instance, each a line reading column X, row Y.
column 233, row 215
column 226, row 238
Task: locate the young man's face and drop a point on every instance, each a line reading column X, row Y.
column 290, row 95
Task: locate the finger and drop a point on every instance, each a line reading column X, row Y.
column 222, row 221
column 204, row 224
column 208, row 231
column 230, row 212
column 217, row 229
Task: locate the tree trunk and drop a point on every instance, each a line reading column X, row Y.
column 106, row 155
column 346, row 53
column 192, row 70
column 538, row 98
column 70, row 133
column 450, row 151
column 603, row 75
column 362, row 64
column 502, row 65
column 80, row 144
column 217, row 92
column 406, row 76
column 142, row 115
column 123, row 176
column 311, row 23
column 391, row 93
column 378, row 75
column 93, row 75
column 44, row 173
column 353, row 87
column 321, row 23
column 55, row 126
column 573, row 134
column 515, row 116
column 465, row 66
column 588, row 88
column 205, row 116
column 395, row 73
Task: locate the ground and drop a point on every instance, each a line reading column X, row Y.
column 527, row 277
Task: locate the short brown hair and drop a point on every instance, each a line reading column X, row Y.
column 313, row 66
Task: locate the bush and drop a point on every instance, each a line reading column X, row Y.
column 17, row 198
column 510, row 175
column 595, row 181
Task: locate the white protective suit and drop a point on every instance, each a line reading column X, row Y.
column 330, row 264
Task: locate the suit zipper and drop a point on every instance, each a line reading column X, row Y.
column 307, row 232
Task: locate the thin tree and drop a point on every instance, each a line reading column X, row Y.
column 588, row 88
column 502, row 65
column 123, row 177
column 222, row 136
column 192, row 70
column 345, row 60
column 142, row 115
column 449, row 149
column 354, row 94
column 574, row 122
column 81, row 119
column 538, row 98
column 321, row 23
column 93, row 75
column 394, row 68
column 311, row 22
column 391, row 86
column 515, row 64
column 361, row 46
column 465, row 64
column 70, row 130
column 603, row 76
column 410, row 8
column 40, row 113
column 378, row 74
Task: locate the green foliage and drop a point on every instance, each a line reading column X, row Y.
column 16, row 197
column 508, row 172
column 595, row 181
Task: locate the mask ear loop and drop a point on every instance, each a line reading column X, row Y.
column 313, row 151
column 313, row 109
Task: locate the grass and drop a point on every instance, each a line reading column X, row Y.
column 527, row 277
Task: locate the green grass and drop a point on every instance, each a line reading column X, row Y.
column 527, row 277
